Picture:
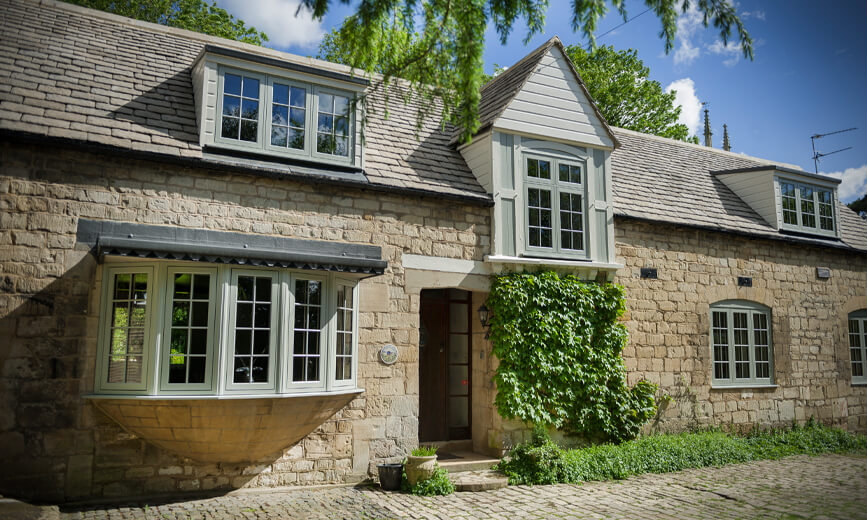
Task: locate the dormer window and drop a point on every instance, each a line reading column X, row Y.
column 275, row 108
column 807, row 208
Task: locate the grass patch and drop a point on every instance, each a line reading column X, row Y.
column 541, row 461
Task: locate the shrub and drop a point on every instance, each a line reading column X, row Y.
column 438, row 484
column 558, row 341
column 424, row 451
column 541, row 461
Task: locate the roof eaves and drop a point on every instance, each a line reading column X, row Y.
column 283, row 64
column 362, row 183
column 793, row 239
column 783, row 169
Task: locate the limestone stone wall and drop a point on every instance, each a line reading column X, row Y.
column 61, row 446
column 669, row 330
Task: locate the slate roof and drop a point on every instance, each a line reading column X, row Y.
column 671, row 181
column 72, row 73
column 82, row 74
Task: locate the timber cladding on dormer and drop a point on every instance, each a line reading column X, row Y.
column 543, row 152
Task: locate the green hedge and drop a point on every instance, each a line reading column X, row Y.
column 541, row 461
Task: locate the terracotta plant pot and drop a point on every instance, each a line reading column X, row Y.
column 420, row 468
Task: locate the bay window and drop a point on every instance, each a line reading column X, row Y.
column 180, row 328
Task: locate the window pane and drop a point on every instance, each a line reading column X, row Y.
column 539, row 212
column 251, row 88
column 571, row 221
column 341, row 106
column 127, row 331
column 326, row 123
column 299, row 97
column 278, row 135
column 232, row 84
column 570, row 173
column 249, row 109
column 231, row 106
column 230, row 127
column 858, row 346
column 189, row 328
column 790, row 212
column 308, row 330
column 326, row 103
column 279, row 115
column 808, row 211
column 281, row 94
column 296, row 139
column 296, row 117
column 252, row 329
column 248, row 130
column 762, row 345
column 719, row 331
column 343, row 370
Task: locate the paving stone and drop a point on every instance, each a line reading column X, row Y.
column 830, row 486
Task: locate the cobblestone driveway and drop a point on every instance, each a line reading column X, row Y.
column 797, row 487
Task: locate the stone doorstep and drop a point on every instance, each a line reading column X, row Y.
column 483, row 480
column 11, row 509
column 468, row 461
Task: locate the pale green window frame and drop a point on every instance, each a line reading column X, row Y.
column 807, row 208
column 110, row 326
column 857, row 335
column 157, row 330
column 741, row 344
column 265, row 119
column 301, row 333
column 169, row 328
column 348, row 358
column 557, row 189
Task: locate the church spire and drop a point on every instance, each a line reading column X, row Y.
column 707, row 132
column 726, row 144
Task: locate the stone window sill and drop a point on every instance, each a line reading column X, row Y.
column 743, row 387
column 182, row 397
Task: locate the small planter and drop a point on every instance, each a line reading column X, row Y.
column 420, row 468
column 390, row 476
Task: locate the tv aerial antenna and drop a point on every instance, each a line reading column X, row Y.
column 819, row 155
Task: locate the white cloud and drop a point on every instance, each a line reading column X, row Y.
column 690, row 111
column 758, row 14
column 730, row 51
column 688, row 24
column 854, row 183
column 277, row 19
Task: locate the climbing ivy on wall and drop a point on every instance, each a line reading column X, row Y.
column 558, row 341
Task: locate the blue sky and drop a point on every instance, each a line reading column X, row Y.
column 809, row 74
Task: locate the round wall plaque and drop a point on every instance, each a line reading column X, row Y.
column 388, row 354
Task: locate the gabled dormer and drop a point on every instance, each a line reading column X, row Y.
column 788, row 199
column 543, row 153
column 277, row 108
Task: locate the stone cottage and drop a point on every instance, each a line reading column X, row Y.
column 209, row 280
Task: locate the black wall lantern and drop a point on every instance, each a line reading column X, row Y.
column 484, row 316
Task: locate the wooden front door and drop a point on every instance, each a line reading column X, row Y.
column 444, row 365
